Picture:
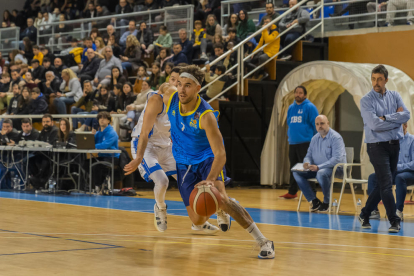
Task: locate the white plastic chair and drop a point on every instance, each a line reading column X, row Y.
column 347, row 179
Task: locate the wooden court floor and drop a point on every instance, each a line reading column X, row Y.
column 47, row 238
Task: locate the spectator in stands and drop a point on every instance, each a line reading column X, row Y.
column 394, row 5
column 38, row 71
column 186, row 45
column 150, row 5
column 38, row 54
column 88, row 43
column 38, row 20
column 270, row 11
column 7, row 18
column 132, row 30
column 246, row 26
column 326, row 149
column 163, row 57
column 216, row 88
column 131, row 59
column 59, row 66
column 126, row 98
column 379, row 5
column 64, row 132
column 30, row 31
column 16, row 79
column 116, row 77
column 115, row 47
column 87, row 100
column 2, row 63
column 169, row 66
column 198, row 38
column 71, row 91
column 105, row 138
column 110, row 30
column 100, row 47
column 134, row 110
column 59, row 39
column 94, row 34
column 299, row 17
column 218, row 51
column 8, row 133
column 231, row 38
column 44, row 27
column 90, row 67
column 301, row 127
column 232, row 22
column 179, row 56
column 145, row 38
column 104, row 71
column 13, row 108
column 141, row 76
column 90, row 10
column 28, row 81
column 156, row 78
column 268, row 38
column 164, row 40
column 28, row 133
column 212, row 28
column 47, row 65
column 38, row 105
column 51, row 87
column 24, row 68
column 16, row 55
column 404, row 175
column 102, row 10
column 28, row 49
column 122, row 8
column 23, row 104
column 47, row 54
column 4, row 85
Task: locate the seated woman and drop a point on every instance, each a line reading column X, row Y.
column 28, row 81
column 168, row 69
column 22, row 106
column 134, row 110
column 65, row 135
column 156, row 78
column 164, row 40
column 100, row 47
column 246, row 26
column 116, row 77
column 163, row 57
column 142, row 75
column 71, row 91
column 131, row 59
column 60, row 38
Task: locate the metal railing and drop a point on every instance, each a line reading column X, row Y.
column 9, row 39
column 175, row 18
column 241, row 58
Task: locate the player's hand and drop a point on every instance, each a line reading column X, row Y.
column 400, row 109
column 313, row 168
column 205, row 183
column 306, row 166
column 132, row 166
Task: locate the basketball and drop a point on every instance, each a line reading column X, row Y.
column 205, row 200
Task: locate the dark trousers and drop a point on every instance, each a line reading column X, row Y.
column 99, row 172
column 287, row 39
column 296, row 155
column 384, row 158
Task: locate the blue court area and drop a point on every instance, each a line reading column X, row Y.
column 273, row 217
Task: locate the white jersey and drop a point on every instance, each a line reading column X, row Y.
column 160, row 133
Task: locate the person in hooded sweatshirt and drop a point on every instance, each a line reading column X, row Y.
column 38, row 105
column 301, row 128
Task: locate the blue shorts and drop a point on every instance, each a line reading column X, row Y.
column 190, row 175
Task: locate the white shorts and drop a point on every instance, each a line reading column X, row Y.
column 155, row 158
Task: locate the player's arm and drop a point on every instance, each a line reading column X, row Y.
column 209, row 124
column 154, row 107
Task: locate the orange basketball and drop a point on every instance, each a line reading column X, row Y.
column 205, row 200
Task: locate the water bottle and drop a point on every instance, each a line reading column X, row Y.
column 334, row 206
column 52, row 184
column 16, row 183
column 359, row 206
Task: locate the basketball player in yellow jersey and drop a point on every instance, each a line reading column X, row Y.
column 200, row 155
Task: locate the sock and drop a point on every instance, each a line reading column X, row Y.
column 254, row 231
column 160, row 188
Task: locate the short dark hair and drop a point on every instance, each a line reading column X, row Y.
column 35, row 47
column 118, row 86
column 34, row 61
column 176, row 69
column 164, row 28
column 232, row 30
column 303, row 88
column 221, row 68
column 46, row 59
column 218, row 45
column 46, row 115
column 267, row 17
column 8, row 121
column 270, row 3
column 195, row 71
column 167, row 50
column 26, row 121
column 36, row 90
column 380, row 69
column 88, row 38
column 198, row 22
column 177, row 43
column 104, row 115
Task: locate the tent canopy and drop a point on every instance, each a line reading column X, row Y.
column 324, row 81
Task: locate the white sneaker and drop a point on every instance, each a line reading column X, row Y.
column 223, row 220
column 375, row 215
column 400, row 214
column 267, row 250
column 410, row 23
column 204, row 56
column 160, row 218
column 207, row 227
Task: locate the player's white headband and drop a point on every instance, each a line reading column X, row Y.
column 187, row 75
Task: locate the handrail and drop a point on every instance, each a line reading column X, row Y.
column 57, row 116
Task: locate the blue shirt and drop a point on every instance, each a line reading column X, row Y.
column 375, row 105
column 123, row 39
column 405, row 160
column 326, row 152
column 84, row 57
column 107, row 139
column 190, row 143
column 301, row 122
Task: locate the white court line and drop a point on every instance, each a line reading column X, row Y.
column 272, row 224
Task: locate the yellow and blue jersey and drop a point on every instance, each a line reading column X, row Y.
column 190, row 143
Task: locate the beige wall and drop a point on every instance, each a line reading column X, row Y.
column 391, row 48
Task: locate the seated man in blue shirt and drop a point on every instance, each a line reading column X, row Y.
column 326, row 149
column 106, row 138
column 404, row 175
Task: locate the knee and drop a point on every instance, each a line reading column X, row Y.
column 400, row 180
column 323, row 174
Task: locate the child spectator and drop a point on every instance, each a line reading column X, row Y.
column 37, row 54
column 142, row 75
column 164, row 40
column 168, row 69
column 198, row 35
column 164, row 55
column 156, row 79
column 5, row 82
column 38, row 105
column 216, row 88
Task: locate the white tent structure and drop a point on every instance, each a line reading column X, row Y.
column 324, row 81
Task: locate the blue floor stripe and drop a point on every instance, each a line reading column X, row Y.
column 274, row 217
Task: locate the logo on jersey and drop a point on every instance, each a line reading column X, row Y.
column 296, row 119
column 193, row 123
column 300, row 111
column 183, row 126
column 197, row 116
column 173, row 112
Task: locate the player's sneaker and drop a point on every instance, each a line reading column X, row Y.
column 375, row 215
column 207, row 227
column 160, row 218
column 267, row 250
column 400, row 215
column 223, row 220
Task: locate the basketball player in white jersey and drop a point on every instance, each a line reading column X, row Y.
column 158, row 161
